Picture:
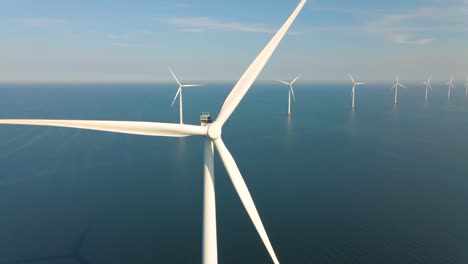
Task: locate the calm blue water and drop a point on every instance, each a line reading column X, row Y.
column 380, row 185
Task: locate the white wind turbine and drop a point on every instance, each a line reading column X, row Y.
column 428, row 86
column 466, row 86
column 291, row 92
column 450, row 87
column 179, row 93
column 211, row 132
column 397, row 83
column 354, row 88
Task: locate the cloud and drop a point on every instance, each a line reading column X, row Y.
column 403, row 39
column 126, row 45
column 421, row 26
column 200, row 24
column 131, row 39
column 417, row 26
column 42, row 23
column 183, row 5
column 131, row 35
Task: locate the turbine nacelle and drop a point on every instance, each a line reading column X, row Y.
column 354, row 82
column 428, row 82
column 450, row 83
column 214, row 131
column 397, row 82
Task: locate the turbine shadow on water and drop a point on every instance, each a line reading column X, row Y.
column 74, row 254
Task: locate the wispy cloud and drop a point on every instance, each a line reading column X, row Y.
column 422, row 25
column 131, row 39
column 183, row 5
column 417, row 26
column 126, row 45
column 200, row 24
column 403, row 39
column 131, row 35
column 42, row 23
column 351, row 11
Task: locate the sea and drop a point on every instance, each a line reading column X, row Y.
column 381, row 184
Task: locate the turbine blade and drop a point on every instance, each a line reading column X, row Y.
column 284, row 82
column 351, row 77
column 430, row 86
column 191, row 85
column 244, row 194
column 175, row 97
column 292, row 92
column 297, row 78
column 251, row 74
column 125, row 127
column 402, row 85
column 430, row 79
column 175, row 77
column 360, row 83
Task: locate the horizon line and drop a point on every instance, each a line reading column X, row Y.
column 202, row 81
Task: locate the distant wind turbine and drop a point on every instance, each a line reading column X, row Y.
column 428, row 86
column 291, row 92
column 179, row 93
column 353, row 92
column 74, row 254
column 397, row 83
column 211, row 132
column 450, row 86
column 466, row 86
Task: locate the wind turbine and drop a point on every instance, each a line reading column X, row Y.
column 291, row 92
column 450, row 87
column 466, row 86
column 428, row 86
column 354, row 88
column 397, row 83
column 179, row 93
column 212, row 132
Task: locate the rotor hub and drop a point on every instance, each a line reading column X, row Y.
column 214, row 131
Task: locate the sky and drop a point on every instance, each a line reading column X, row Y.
column 209, row 40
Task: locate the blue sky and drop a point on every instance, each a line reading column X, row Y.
column 68, row 40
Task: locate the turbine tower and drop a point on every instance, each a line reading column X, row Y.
column 397, row 83
column 179, row 93
column 291, row 92
column 428, row 86
column 450, row 87
column 466, row 86
column 212, row 132
column 353, row 93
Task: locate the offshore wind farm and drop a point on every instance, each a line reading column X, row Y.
column 348, row 174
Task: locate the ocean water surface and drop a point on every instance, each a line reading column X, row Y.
column 382, row 184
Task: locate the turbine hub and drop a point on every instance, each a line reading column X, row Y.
column 214, row 131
